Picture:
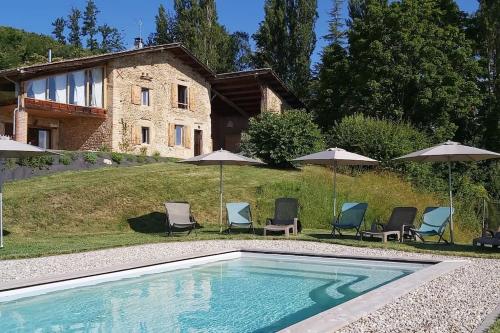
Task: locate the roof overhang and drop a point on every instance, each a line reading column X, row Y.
column 244, row 88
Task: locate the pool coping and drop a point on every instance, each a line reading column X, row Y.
column 326, row 321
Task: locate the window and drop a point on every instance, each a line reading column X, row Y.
column 182, row 96
column 179, row 134
column 145, row 135
column 145, row 96
column 84, row 88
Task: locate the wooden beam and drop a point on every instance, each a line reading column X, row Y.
column 231, row 104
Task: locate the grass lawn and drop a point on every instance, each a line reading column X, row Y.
column 496, row 327
column 87, row 210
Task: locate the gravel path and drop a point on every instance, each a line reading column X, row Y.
column 455, row 302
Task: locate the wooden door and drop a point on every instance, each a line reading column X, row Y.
column 198, row 142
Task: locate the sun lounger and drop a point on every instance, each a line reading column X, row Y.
column 434, row 223
column 351, row 216
column 239, row 215
column 286, row 216
column 179, row 216
column 399, row 223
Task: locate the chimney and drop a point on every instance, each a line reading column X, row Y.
column 138, row 43
column 50, row 55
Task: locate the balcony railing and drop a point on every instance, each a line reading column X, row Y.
column 64, row 109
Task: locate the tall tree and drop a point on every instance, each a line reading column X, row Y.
column 487, row 39
column 59, row 25
column 332, row 85
column 199, row 30
column 286, row 39
column 74, row 27
column 165, row 27
column 111, row 39
column 89, row 27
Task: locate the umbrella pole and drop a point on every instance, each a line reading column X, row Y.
column 334, row 190
column 221, row 197
column 451, row 202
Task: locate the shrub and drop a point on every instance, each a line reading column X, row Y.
column 143, row 151
column 156, row 156
column 65, row 159
column 116, row 157
column 141, row 159
column 90, row 157
column 38, row 162
column 278, row 138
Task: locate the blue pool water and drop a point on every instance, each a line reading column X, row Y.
column 254, row 293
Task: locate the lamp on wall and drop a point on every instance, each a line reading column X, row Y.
column 229, row 124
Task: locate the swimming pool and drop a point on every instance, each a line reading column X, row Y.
column 231, row 292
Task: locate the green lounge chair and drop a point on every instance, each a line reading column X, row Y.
column 434, row 223
column 239, row 215
column 178, row 216
column 286, row 216
column 351, row 216
column 399, row 224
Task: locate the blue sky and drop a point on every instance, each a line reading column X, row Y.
column 245, row 15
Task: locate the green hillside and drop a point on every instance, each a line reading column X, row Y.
column 75, row 211
column 19, row 47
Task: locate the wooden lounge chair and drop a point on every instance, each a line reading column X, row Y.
column 351, row 216
column 179, row 217
column 286, row 216
column 434, row 223
column 489, row 237
column 239, row 215
column 399, row 224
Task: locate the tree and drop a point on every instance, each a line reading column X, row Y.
column 165, row 27
column 111, row 39
column 241, row 51
column 198, row 29
column 74, row 27
column 286, row 39
column 410, row 60
column 89, row 27
column 487, row 39
column 59, row 25
column 332, row 85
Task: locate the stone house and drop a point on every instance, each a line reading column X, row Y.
column 158, row 99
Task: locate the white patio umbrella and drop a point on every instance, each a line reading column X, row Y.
column 335, row 157
column 13, row 149
column 221, row 157
column 449, row 152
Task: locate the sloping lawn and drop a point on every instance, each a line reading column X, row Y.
column 80, row 211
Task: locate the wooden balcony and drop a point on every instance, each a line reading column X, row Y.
column 61, row 110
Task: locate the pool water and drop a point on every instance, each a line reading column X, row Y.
column 250, row 293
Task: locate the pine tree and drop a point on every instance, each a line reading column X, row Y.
column 333, row 72
column 111, row 39
column 89, row 27
column 286, row 39
column 59, row 25
column 74, row 27
column 165, row 27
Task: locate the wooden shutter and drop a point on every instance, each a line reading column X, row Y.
column 187, row 136
column 136, row 135
column 191, row 105
column 171, row 135
column 136, row 95
column 175, row 102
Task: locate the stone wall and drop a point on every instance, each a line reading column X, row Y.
column 84, row 133
column 160, row 72
column 271, row 101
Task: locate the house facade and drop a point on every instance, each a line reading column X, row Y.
column 150, row 100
